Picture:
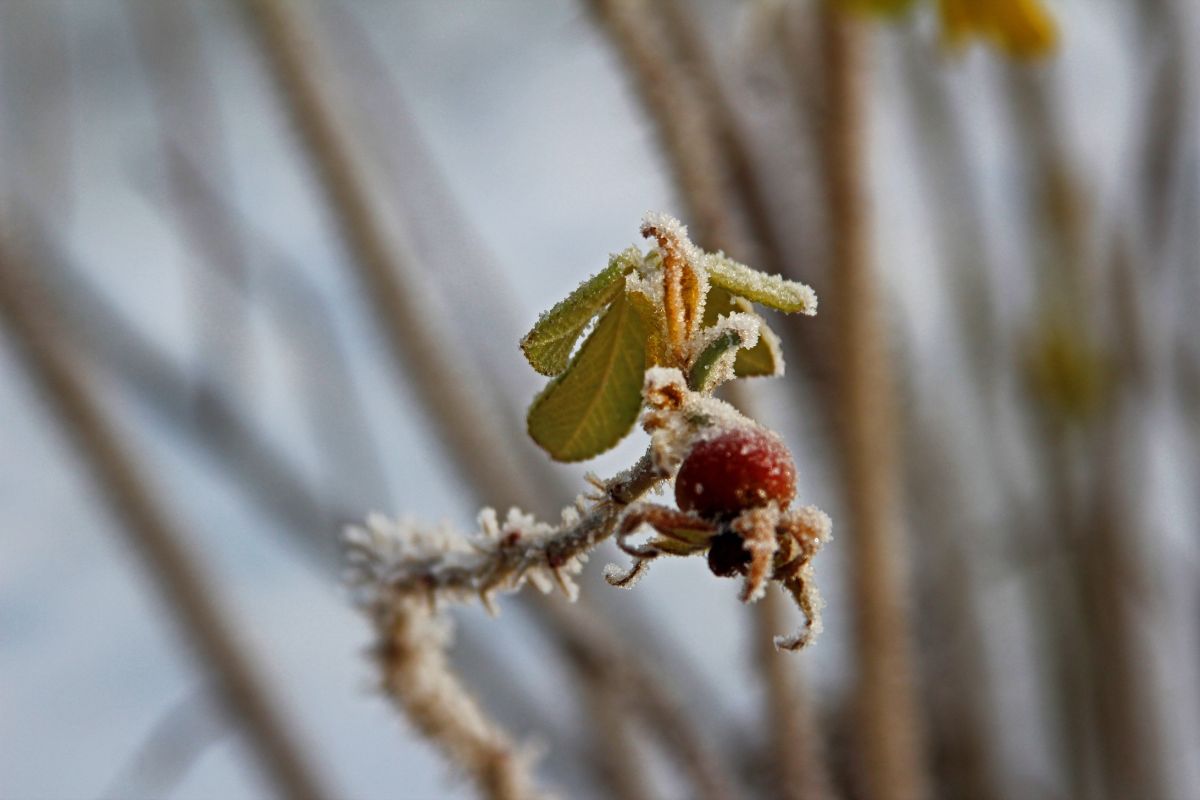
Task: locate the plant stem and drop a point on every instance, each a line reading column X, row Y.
column 890, row 729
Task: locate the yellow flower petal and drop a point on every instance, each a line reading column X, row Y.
column 959, row 21
column 1021, row 28
column 1024, row 28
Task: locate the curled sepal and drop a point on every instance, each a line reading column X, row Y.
column 764, row 359
column 593, row 404
column 773, row 291
column 548, row 346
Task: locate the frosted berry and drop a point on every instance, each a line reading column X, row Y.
column 739, row 469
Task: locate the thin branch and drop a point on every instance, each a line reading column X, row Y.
column 38, row 86
column 407, row 559
column 418, row 677
column 1119, row 706
column 223, row 433
column 890, row 729
column 738, row 155
column 592, row 646
column 619, row 764
column 153, row 535
column 444, row 237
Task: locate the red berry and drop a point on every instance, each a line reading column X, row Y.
column 735, row 470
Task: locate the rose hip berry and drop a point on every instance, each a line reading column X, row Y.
column 739, row 469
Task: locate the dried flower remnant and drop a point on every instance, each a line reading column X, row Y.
column 667, row 327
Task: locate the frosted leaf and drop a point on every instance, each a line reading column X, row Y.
column 594, row 403
column 715, row 349
column 769, row 290
column 765, row 359
column 548, row 346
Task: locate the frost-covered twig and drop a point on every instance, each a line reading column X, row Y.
column 418, row 677
column 402, row 571
column 405, row 559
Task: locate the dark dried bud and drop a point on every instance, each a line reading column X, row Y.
column 726, row 555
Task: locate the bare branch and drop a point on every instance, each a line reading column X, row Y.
column 419, row 678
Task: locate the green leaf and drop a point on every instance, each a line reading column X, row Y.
column 769, row 290
column 762, row 360
column 594, row 403
column 702, row 368
column 548, row 346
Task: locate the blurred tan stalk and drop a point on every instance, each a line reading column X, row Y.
column 151, row 532
column 890, row 729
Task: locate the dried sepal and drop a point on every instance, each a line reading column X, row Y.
column 685, row 281
column 757, row 527
column 806, row 529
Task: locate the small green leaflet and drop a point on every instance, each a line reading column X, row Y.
column 702, row 369
column 594, row 403
column 768, row 290
column 548, row 346
column 762, row 360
